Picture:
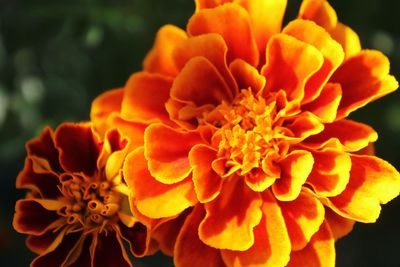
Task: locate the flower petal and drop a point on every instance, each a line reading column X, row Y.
column 229, row 14
column 31, row 217
column 319, row 11
column 159, row 59
column 326, row 104
column 103, row 106
column 247, row 76
column 339, row 225
column 271, row 246
column 311, row 33
column 352, row 135
column 78, row 148
column 137, row 237
column 167, row 152
column 290, row 65
column 303, row 217
column 320, row 252
column 231, row 217
column 266, row 18
column 347, row 38
column 207, row 182
column 304, row 125
column 145, row 97
column 373, row 181
column 190, row 250
column 40, row 243
column 152, row 198
column 331, row 172
column 109, row 251
column 364, row 78
column 295, row 169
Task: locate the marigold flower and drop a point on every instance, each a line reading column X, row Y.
column 247, row 124
column 77, row 211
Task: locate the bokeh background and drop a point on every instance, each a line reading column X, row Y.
column 57, row 56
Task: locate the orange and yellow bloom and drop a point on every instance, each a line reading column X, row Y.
column 231, row 148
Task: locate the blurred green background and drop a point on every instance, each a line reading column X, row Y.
column 57, row 56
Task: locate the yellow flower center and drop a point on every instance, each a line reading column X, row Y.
column 92, row 203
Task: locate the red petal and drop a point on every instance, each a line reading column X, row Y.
column 339, row 225
column 78, row 148
column 137, row 237
column 227, row 15
column 109, row 251
column 231, row 217
column 39, row 244
column 190, row 250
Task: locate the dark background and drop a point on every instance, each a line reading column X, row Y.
column 56, row 56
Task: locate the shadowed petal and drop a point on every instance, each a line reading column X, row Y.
column 40, row 243
column 109, row 251
column 246, row 76
column 231, row 217
column 137, row 237
column 339, row 225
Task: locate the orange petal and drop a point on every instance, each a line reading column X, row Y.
column 373, row 181
column 43, row 147
column 258, row 180
column 190, row 250
column 319, row 11
column 312, row 34
column 207, row 182
column 326, row 104
column 352, row 135
column 159, row 59
column 339, row 225
column 31, row 217
column 200, row 83
column 347, row 38
column 227, row 15
column 304, row 125
column 133, row 132
column 201, row 4
column 167, row 152
column 295, row 169
column 109, row 251
column 303, row 217
column 320, row 252
column 211, row 46
column 166, row 233
column 290, row 65
column 152, row 198
column 271, row 246
column 60, row 254
column 46, row 183
column 78, row 148
column 364, row 78
column 145, row 97
column 247, row 76
column 266, row 17
column 231, row 217
column 331, row 172
column 103, row 106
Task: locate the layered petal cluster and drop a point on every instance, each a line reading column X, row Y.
column 245, row 129
column 77, row 210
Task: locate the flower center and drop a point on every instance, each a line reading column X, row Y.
column 248, row 133
column 92, row 203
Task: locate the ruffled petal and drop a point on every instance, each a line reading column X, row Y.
column 109, row 251
column 312, row 34
column 373, row 181
column 352, row 135
column 326, row 104
column 266, row 18
column 339, row 225
column 295, row 169
column 78, row 148
column 152, row 198
column 331, row 172
column 205, row 20
column 304, row 125
column 137, row 236
column 159, row 59
column 271, row 246
column 320, row 252
column 247, row 76
column 190, row 250
column 231, row 217
column 290, row 64
column 167, row 152
column 31, row 217
column 103, row 106
column 145, row 97
column 364, row 78
column 303, row 217
column 319, row 11
column 207, row 182
column 131, row 131
column 347, row 38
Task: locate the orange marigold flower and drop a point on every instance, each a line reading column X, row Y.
column 246, row 122
column 77, row 211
